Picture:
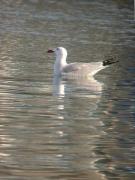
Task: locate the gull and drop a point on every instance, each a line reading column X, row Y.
column 61, row 67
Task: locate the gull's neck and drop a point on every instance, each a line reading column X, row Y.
column 60, row 63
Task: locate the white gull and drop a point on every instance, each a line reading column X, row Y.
column 61, row 67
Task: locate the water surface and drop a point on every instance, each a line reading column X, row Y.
column 66, row 129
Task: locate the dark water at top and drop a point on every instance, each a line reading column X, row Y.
column 87, row 130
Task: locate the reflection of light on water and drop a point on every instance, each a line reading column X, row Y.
column 61, row 107
column 61, row 133
column 5, row 142
column 4, row 155
column 60, row 117
column 6, row 139
column 1, row 125
column 59, row 155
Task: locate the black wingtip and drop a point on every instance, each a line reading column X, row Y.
column 109, row 61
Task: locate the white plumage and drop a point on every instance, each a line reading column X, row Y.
column 61, row 67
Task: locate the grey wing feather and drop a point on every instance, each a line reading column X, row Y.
column 72, row 67
column 85, row 68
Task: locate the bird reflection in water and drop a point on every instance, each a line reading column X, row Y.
column 76, row 98
column 68, row 84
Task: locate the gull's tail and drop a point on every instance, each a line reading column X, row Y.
column 109, row 61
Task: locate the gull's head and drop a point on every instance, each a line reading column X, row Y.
column 60, row 52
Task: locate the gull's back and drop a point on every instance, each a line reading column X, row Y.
column 83, row 69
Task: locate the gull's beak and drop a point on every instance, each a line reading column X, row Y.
column 50, row 51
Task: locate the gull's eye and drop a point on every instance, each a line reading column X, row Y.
column 57, row 49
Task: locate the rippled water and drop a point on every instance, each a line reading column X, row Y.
column 66, row 129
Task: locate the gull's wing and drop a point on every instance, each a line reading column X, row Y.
column 84, row 68
column 88, row 68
